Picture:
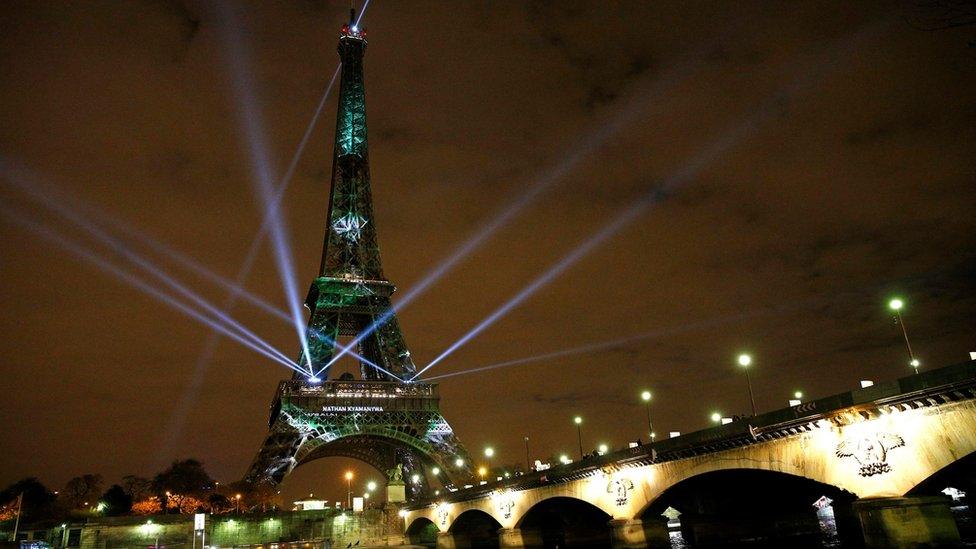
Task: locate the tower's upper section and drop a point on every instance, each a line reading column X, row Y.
column 350, row 251
column 351, row 125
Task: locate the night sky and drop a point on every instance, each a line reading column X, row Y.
column 824, row 159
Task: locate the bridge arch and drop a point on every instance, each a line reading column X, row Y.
column 475, row 528
column 422, row 531
column 561, row 521
column 752, row 503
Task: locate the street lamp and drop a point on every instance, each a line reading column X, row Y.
column 489, row 452
column 603, row 449
column 349, row 488
column 527, row 468
column 646, row 397
column 579, row 433
column 435, row 471
column 371, row 486
column 798, row 395
column 745, row 361
column 459, row 463
column 482, row 472
column 896, row 305
column 717, row 417
column 238, row 498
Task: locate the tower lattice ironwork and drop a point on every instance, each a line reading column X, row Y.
column 380, row 419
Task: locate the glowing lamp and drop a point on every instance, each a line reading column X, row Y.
column 896, row 304
column 459, row 462
column 489, row 452
column 646, row 396
column 436, row 471
column 603, row 449
column 745, row 360
column 577, row 420
column 716, row 417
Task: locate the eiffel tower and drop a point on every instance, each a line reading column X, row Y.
column 382, row 418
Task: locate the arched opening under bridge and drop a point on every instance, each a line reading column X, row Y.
column 755, row 507
column 566, row 522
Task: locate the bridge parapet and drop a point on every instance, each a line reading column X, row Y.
column 933, row 388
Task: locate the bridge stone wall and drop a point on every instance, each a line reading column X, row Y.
column 883, row 454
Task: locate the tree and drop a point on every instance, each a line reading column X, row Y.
column 182, row 485
column 138, row 488
column 148, row 506
column 218, row 504
column 117, row 501
column 38, row 502
column 253, row 496
column 82, row 491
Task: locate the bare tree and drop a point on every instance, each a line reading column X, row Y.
column 82, row 491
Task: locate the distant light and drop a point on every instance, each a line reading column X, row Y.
column 564, row 459
column 402, row 513
column 716, row 417
column 745, row 360
column 794, row 402
column 726, row 420
column 415, row 478
column 489, row 451
column 371, row 486
column 482, row 471
column 348, row 475
column 436, row 471
column 646, row 396
column 459, row 462
column 798, row 395
column 578, row 420
column 674, row 434
column 915, row 363
column 314, row 379
column 896, row 304
column 355, row 29
column 366, row 495
column 603, row 449
column 865, row 383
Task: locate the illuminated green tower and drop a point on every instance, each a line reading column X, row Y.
column 351, row 295
column 380, row 419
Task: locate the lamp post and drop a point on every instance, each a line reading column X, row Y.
column 745, row 361
column 349, row 489
column 238, row 498
column 489, row 452
column 646, row 397
column 579, row 433
column 527, row 468
column 896, row 305
column 717, row 417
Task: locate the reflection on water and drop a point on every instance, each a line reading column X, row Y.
column 829, row 537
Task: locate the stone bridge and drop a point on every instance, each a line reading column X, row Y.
column 881, row 454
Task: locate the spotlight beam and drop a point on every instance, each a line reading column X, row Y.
column 251, row 121
column 764, row 110
column 49, row 194
column 130, row 279
column 144, row 264
column 592, row 141
column 687, row 172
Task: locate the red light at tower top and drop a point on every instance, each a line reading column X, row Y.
column 353, row 31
